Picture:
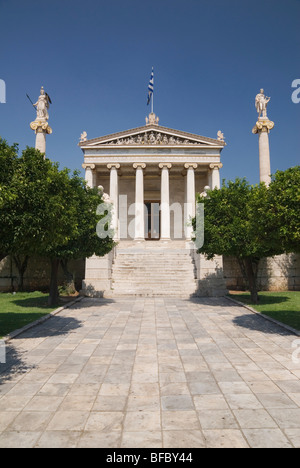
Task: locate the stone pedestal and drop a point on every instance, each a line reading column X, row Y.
column 98, row 275
column 210, row 277
column 262, row 128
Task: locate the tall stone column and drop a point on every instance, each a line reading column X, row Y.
column 190, row 197
column 114, row 197
column 41, row 129
column 89, row 174
column 262, row 128
column 165, row 201
column 139, row 202
column 215, row 175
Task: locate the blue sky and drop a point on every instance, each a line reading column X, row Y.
column 210, row 59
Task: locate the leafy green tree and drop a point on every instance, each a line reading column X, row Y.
column 50, row 214
column 8, row 160
column 39, row 211
column 84, row 241
column 284, row 213
column 87, row 242
column 235, row 225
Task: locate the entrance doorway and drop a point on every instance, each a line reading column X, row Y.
column 152, row 220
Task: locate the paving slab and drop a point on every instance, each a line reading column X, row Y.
column 153, row 372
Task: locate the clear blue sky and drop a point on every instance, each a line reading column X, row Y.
column 210, row 59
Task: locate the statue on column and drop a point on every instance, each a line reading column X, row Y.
column 42, row 105
column 263, row 127
column 261, row 102
column 40, row 124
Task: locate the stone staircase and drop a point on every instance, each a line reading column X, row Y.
column 153, row 268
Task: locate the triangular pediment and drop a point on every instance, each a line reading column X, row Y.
column 152, row 135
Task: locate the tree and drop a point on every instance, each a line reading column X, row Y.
column 8, row 160
column 38, row 212
column 84, row 241
column 44, row 214
column 87, row 242
column 284, row 213
column 235, row 225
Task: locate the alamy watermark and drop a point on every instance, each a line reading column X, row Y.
column 2, row 352
column 296, row 93
column 151, row 215
column 296, row 353
column 2, row 92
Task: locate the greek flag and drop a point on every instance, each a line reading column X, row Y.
column 150, row 87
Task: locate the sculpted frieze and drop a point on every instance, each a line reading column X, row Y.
column 152, row 138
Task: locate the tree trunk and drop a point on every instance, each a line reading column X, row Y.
column 2, row 256
column 251, row 267
column 22, row 267
column 69, row 279
column 54, row 294
column 243, row 271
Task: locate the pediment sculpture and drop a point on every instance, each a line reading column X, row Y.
column 152, row 138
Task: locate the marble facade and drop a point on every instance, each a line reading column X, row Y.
column 151, row 174
column 152, row 163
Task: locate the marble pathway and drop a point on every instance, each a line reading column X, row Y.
column 151, row 372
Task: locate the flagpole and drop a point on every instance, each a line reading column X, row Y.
column 152, row 93
column 152, row 103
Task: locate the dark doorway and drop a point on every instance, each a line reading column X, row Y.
column 152, row 220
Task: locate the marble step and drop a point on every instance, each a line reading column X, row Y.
column 145, row 284
column 153, row 259
column 149, row 293
column 154, row 268
column 157, row 271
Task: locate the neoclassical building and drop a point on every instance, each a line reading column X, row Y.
column 151, row 174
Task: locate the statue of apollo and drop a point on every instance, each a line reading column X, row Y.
column 261, row 102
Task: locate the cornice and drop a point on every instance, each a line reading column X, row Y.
column 198, row 139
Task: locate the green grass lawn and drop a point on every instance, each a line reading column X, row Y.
column 281, row 306
column 17, row 310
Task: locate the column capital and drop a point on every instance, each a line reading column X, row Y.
column 216, row 166
column 115, row 165
column 88, row 165
column 191, row 166
column 139, row 165
column 167, row 165
column 263, row 125
column 40, row 126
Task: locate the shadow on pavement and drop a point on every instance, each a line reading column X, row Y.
column 259, row 323
column 16, row 358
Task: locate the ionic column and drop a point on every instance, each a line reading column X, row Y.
column 89, row 174
column 263, row 127
column 165, row 201
column 41, row 129
column 190, row 197
column 139, row 233
column 215, row 175
column 114, row 197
